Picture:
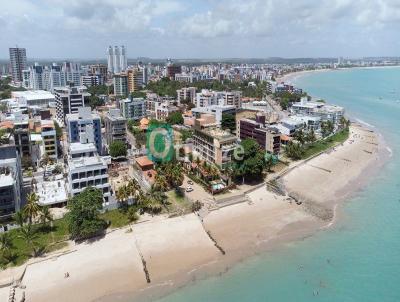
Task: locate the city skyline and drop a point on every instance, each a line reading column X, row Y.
column 225, row 29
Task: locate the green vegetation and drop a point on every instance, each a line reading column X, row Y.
column 168, row 87
column 6, row 88
column 228, row 122
column 138, row 94
column 32, row 239
column 59, row 133
column 306, row 146
column 286, row 98
column 96, row 91
column 169, row 176
column 252, row 163
column 117, row 149
column 83, row 219
column 175, row 118
column 185, row 134
column 323, row 145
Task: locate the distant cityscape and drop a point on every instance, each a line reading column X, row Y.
column 71, row 113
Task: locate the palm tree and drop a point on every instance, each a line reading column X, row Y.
column 122, row 194
column 29, row 236
column 45, row 161
column 213, row 172
column 299, row 136
column 177, row 176
column 45, row 215
column 269, row 162
column 134, row 187
column 310, row 137
column 6, row 243
column 161, row 183
column 20, row 218
column 32, row 208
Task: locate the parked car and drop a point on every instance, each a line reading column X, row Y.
column 190, row 182
column 189, row 189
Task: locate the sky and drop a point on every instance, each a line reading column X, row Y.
column 201, row 29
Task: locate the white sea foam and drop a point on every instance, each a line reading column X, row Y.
column 364, row 123
column 390, row 151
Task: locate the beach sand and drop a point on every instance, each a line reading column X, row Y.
column 330, row 177
column 180, row 250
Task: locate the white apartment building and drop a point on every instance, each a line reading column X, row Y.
column 49, row 138
column 233, row 98
column 318, row 109
column 216, row 110
column 40, row 77
column 115, row 126
column 10, row 181
column 87, row 169
column 186, row 93
column 163, row 110
column 133, row 109
column 31, row 98
column 120, row 81
column 18, row 63
column 116, row 59
column 207, row 98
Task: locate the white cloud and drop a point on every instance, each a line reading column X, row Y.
column 223, row 27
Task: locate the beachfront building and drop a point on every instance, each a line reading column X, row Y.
column 211, row 143
column 216, row 110
column 268, row 137
column 84, row 127
column 10, row 181
column 318, row 109
column 87, row 169
column 133, row 108
column 69, row 99
column 186, row 94
column 115, row 126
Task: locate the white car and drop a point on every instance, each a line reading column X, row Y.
column 189, row 189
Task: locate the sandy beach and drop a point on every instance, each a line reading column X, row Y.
column 183, row 249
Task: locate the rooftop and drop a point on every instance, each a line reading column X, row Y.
column 6, row 180
column 144, row 161
column 33, row 94
column 51, row 192
column 81, row 148
column 77, row 163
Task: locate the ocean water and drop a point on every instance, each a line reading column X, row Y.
column 359, row 258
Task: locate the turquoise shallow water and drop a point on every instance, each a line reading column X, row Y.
column 359, row 258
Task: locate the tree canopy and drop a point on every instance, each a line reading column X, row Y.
column 117, row 149
column 228, row 122
column 175, row 118
column 83, row 218
column 252, row 163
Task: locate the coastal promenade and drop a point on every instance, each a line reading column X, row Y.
column 170, row 252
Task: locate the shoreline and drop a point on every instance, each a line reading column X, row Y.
column 291, row 233
column 292, row 76
column 179, row 251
